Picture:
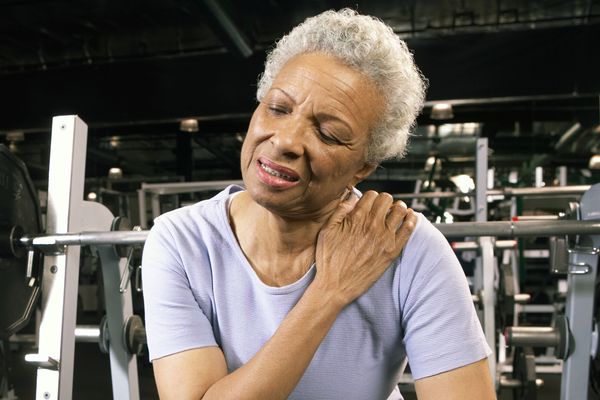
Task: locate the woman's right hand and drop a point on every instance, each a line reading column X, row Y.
column 358, row 243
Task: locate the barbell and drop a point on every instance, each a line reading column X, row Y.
column 13, row 241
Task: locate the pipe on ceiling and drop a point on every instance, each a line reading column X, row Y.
column 229, row 28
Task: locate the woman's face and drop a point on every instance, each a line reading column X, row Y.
column 308, row 137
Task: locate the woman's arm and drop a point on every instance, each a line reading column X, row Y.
column 271, row 374
column 471, row 382
column 354, row 249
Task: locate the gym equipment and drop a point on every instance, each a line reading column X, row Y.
column 68, row 213
column 525, row 382
column 575, row 335
column 155, row 190
column 20, row 212
column 505, row 192
column 57, row 242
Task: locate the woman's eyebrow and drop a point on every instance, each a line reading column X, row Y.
column 285, row 94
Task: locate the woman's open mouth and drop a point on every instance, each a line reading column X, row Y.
column 274, row 174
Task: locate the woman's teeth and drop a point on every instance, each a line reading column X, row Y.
column 271, row 171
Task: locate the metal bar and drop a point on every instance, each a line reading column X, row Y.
column 87, row 238
column 87, row 333
column 509, row 383
column 579, row 306
column 119, row 307
column 187, row 187
column 535, row 336
column 481, row 180
column 55, row 358
column 458, row 229
column 510, row 99
column 143, row 214
column 535, row 218
column 544, row 191
column 471, row 245
column 507, row 192
column 229, row 28
column 513, row 229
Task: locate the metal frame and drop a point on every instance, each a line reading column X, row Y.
column 579, row 309
column 158, row 189
column 61, row 272
column 67, row 212
column 483, row 278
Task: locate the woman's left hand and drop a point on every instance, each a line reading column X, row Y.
column 359, row 242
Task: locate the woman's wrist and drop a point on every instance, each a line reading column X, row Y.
column 325, row 297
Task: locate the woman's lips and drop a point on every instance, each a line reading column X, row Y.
column 275, row 175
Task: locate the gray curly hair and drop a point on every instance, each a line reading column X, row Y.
column 369, row 45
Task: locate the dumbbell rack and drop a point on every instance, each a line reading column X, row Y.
column 68, row 212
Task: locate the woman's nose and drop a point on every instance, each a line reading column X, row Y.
column 289, row 138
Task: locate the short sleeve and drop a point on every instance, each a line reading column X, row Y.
column 174, row 320
column 441, row 328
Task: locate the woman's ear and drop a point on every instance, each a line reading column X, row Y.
column 366, row 170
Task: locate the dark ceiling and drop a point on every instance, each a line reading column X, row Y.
column 527, row 71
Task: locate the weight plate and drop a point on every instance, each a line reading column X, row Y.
column 18, row 207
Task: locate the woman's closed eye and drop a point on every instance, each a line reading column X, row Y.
column 327, row 137
column 278, row 109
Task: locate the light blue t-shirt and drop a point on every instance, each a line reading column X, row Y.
column 200, row 290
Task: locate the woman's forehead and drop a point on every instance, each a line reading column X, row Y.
column 322, row 72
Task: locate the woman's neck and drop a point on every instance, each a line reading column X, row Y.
column 279, row 249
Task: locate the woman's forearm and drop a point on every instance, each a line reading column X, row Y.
column 276, row 369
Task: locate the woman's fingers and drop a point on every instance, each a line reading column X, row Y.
column 381, row 207
column 406, row 229
column 355, row 248
column 364, row 205
column 396, row 215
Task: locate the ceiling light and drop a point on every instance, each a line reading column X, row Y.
column 92, row 196
column 188, row 125
column 594, row 162
column 442, row 111
column 115, row 173
column 114, row 142
column 15, row 136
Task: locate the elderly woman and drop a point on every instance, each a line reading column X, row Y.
column 297, row 286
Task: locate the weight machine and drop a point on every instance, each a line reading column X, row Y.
column 73, row 222
column 57, row 277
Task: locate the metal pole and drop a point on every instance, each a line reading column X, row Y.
column 55, row 358
column 142, row 207
column 535, row 336
column 498, row 245
column 87, row 333
column 511, row 229
column 579, row 307
column 507, row 192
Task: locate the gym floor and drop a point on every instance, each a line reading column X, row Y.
column 92, row 378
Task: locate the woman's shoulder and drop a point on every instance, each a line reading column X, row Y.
column 425, row 237
column 427, row 251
